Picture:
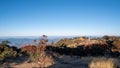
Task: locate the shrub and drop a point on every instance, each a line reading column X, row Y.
column 38, row 54
column 29, row 49
column 98, row 49
column 7, row 52
column 117, row 44
column 64, row 41
column 103, row 63
column 45, row 60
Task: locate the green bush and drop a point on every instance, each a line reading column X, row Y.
column 7, row 52
column 34, row 56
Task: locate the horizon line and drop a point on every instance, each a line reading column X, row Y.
column 55, row 35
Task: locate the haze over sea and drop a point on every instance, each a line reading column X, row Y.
column 20, row 41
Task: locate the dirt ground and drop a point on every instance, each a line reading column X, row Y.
column 61, row 61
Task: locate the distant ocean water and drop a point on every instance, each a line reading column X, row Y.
column 24, row 40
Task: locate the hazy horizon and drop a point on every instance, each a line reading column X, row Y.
column 59, row 17
column 59, row 35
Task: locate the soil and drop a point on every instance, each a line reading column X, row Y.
column 61, row 61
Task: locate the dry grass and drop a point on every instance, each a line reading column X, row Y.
column 103, row 63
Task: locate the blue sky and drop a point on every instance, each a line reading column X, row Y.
column 59, row 17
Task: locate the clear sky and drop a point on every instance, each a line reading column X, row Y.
column 59, row 17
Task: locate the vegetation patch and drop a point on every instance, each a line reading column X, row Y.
column 103, row 63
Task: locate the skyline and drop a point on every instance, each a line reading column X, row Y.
column 59, row 17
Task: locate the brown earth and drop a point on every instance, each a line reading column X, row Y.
column 61, row 61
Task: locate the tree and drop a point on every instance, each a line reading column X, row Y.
column 43, row 43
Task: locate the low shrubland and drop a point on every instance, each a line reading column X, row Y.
column 95, row 46
column 36, row 53
column 79, row 46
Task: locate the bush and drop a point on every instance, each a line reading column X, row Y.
column 117, row 44
column 29, row 49
column 98, row 49
column 44, row 60
column 38, row 54
column 7, row 52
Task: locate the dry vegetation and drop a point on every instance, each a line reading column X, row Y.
column 103, row 63
column 86, row 42
column 62, row 54
column 36, row 54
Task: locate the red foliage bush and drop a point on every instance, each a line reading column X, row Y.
column 29, row 48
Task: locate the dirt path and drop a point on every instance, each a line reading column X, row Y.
column 62, row 61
